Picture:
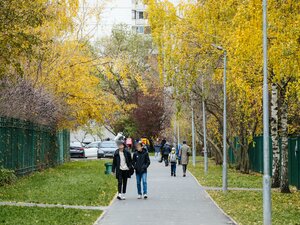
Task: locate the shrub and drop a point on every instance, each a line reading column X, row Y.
column 7, row 176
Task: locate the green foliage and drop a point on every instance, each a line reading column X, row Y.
column 246, row 207
column 17, row 21
column 11, row 215
column 126, row 125
column 7, row 176
column 74, row 183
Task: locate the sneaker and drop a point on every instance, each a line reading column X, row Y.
column 139, row 196
column 174, row 175
column 119, row 196
column 123, row 197
column 184, row 175
column 145, row 196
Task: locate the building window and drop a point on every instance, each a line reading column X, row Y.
column 139, row 29
column 134, row 14
column 140, row 15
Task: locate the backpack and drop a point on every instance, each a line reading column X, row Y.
column 173, row 157
column 166, row 150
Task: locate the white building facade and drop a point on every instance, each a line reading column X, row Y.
column 112, row 12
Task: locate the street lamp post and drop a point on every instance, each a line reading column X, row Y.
column 178, row 135
column 225, row 127
column 193, row 137
column 224, row 187
column 204, row 131
column 266, row 179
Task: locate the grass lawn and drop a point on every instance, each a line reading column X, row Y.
column 246, row 207
column 74, row 183
column 12, row 215
column 214, row 176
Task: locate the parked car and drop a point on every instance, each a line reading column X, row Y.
column 77, row 150
column 91, row 150
column 107, row 149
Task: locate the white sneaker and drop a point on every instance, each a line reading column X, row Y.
column 119, row 196
column 139, row 196
column 123, row 197
column 145, row 196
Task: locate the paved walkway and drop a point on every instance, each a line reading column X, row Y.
column 172, row 201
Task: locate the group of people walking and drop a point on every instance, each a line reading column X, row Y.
column 125, row 165
column 170, row 155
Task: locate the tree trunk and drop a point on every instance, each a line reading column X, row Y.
column 284, row 184
column 275, row 137
column 244, row 165
column 244, row 156
column 216, row 151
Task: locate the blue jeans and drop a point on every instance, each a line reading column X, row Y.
column 141, row 177
column 173, row 168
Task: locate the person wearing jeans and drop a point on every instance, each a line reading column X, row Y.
column 141, row 178
column 141, row 162
column 173, row 161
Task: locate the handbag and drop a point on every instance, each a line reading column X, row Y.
column 131, row 171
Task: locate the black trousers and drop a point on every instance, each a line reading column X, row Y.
column 122, row 181
column 166, row 159
column 184, row 168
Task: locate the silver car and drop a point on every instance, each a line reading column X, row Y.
column 107, row 149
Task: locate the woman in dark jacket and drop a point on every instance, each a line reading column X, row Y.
column 141, row 162
column 122, row 167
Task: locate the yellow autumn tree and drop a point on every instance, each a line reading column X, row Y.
column 54, row 56
column 186, row 35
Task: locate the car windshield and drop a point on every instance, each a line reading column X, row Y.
column 75, row 144
column 108, row 145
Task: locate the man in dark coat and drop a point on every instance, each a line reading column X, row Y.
column 165, row 153
column 141, row 162
column 122, row 166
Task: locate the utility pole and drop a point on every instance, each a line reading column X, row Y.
column 225, row 128
column 193, row 137
column 175, row 130
column 178, row 135
column 267, row 204
column 224, row 187
column 204, row 130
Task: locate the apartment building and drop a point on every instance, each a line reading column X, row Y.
column 139, row 18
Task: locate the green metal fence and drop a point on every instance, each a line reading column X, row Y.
column 294, row 161
column 26, row 147
column 256, row 157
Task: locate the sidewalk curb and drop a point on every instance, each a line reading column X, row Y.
column 213, row 200
column 105, row 211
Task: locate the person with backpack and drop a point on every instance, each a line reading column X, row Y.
column 184, row 153
column 173, row 161
column 122, row 166
column 141, row 162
